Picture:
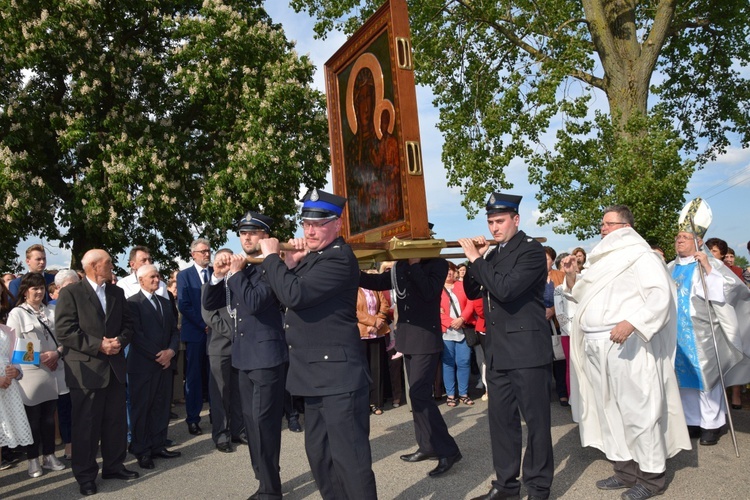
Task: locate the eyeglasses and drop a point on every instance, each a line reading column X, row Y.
column 610, row 224
column 202, row 252
column 316, row 225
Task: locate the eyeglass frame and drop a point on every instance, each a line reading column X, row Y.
column 310, row 225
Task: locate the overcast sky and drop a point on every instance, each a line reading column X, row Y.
column 725, row 184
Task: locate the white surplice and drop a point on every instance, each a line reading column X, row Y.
column 625, row 396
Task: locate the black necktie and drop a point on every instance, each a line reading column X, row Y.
column 204, row 273
column 158, row 307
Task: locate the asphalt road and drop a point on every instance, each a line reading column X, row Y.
column 203, row 472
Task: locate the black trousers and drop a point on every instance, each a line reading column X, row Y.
column 375, row 354
column 429, row 427
column 99, row 415
column 225, row 401
column 559, row 373
column 337, row 442
column 527, row 390
column 150, row 398
column 396, row 370
column 262, row 394
column 42, row 422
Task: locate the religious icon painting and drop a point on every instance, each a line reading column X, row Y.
column 374, row 130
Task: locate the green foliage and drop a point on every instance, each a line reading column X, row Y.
column 741, row 261
column 146, row 123
column 641, row 168
column 505, row 72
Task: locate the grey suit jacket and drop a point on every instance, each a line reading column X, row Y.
column 222, row 328
column 81, row 324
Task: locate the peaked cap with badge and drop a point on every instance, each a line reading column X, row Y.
column 253, row 221
column 501, row 202
column 318, row 205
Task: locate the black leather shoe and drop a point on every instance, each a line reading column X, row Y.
column 194, row 429
column 445, row 464
column 173, row 416
column 123, row 474
column 165, row 453
column 88, row 488
column 418, row 456
column 710, row 437
column 495, row 494
column 240, row 440
column 294, row 425
column 224, row 447
column 145, row 462
column 534, row 497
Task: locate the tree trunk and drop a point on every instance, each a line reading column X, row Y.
column 627, row 63
column 81, row 245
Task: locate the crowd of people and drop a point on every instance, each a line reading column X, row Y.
column 624, row 339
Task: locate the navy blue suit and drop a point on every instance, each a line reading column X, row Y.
column 327, row 366
column 259, row 352
column 150, row 385
column 518, row 351
column 419, row 337
column 193, row 333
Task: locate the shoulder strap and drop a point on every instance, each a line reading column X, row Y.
column 41, row 323
column 453, row 304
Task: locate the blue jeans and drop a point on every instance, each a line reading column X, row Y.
column 456, row 364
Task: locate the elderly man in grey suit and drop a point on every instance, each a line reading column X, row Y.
column 93, row 325
column 151, row 357
column 223, row 382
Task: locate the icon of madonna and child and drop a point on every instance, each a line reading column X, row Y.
column 371, row 149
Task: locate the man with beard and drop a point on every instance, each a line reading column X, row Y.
column 259, row 349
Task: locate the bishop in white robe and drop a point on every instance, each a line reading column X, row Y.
column 696, row 362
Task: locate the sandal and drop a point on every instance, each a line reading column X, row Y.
column 451, row 401
column 466, row 400
column 376, row 410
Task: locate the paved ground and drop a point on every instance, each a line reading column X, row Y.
column 203, row 472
